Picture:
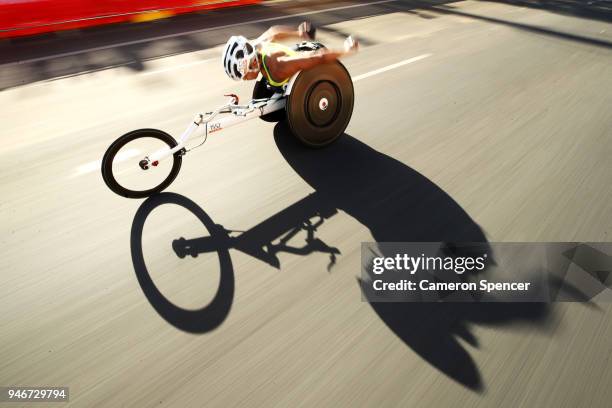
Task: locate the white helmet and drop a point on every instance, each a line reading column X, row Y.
column 237, row 56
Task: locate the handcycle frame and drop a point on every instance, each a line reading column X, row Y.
column 235, row 114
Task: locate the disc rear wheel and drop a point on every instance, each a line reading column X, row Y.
column 320, row 104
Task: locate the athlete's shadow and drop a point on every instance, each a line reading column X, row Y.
column 398, row 204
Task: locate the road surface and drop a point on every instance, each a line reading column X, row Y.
column 472, row 120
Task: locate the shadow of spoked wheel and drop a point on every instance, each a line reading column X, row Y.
column 194, row 321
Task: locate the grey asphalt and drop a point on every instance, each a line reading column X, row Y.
column 501, row 131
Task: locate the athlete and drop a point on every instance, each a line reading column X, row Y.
column 245, row 59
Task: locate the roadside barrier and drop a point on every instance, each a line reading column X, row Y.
column 29, row 17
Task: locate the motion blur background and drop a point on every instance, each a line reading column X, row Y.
column 501, row 130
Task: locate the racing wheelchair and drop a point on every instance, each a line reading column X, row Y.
column 317, row 104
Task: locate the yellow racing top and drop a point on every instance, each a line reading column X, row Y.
column 269, row 48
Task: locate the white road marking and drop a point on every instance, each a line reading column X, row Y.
column 390, row 67
column 203, row 30
column 95, row 165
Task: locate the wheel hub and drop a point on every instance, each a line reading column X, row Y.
column 322, row 104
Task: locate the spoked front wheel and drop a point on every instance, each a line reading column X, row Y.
column 122, row 169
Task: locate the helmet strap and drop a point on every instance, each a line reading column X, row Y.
column 249, row 58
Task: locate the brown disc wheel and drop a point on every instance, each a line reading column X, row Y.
column 320, row 105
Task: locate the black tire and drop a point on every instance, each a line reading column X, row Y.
column 263, row 90
column 109, row 156
column 320, row 105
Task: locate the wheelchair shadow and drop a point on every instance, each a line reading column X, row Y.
column 272, row 236
column 398, row 204
column 264, row 241
column 194, row 321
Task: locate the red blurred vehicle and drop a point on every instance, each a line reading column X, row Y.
column 28, row 17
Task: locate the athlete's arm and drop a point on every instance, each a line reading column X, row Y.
column 284, row 66
column 279, row 32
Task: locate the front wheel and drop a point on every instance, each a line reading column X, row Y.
column 121, row 168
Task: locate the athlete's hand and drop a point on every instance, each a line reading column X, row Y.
column 306, row 30
column 351, row 45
